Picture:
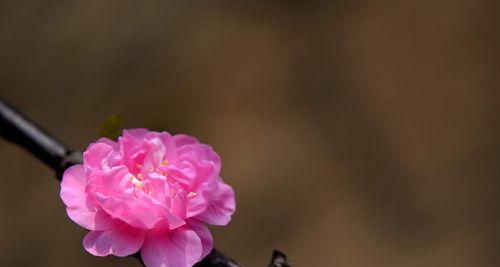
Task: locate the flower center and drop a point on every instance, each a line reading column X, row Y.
column 137, row 181
column 140, row 183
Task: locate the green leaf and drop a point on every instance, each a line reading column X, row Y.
column 112, row 127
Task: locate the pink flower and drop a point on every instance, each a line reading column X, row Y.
column 149, row 191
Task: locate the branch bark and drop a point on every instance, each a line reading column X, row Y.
column 18, row 129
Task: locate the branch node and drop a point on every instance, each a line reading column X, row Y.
column 278, row 260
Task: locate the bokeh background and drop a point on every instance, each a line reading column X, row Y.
column 355, row 133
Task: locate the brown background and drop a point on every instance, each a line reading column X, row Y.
column 355, row 133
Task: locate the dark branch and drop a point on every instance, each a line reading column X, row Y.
column 18, row 129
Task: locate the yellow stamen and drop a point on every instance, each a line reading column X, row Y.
column 164, row 163
column 136, row 182
column 192, row 194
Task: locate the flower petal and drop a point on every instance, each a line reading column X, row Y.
column 178, row 202
column 90, row 220
column 116, row 180
column 108, row 141
column 202, row 231
column 96, row 156
column 179, row 248
column 137, row 133
column 169, row 143
column 120, row 241
column 133, row 148
column 79, row 208
column 154, row 155
column 73, row 186
column 221, row 207
column 199, row 152
column 198, row 202
column 183, row 139
column 139, row 211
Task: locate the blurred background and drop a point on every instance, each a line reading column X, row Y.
column 355, row 133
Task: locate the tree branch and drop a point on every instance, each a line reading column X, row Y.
column 18, row 129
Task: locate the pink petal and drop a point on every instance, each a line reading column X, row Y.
column 199, row 152
column 182, row 139
column 202, row 231
column 73, row 186
column 158, row 187
column 120, row 241
column 113, row 181
column 198, row 203
column 179, row 248
column 137, row 133
column 191, row 172
column 137, row 214
column 178, row 202
column 221, row 207
column 139, row 211
column 154, row 155
column 169, row 143
column 90, row 220
column 133, row 148
column 108, row 141
column 79, row 208
column 96, row 156
column 114, row 159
